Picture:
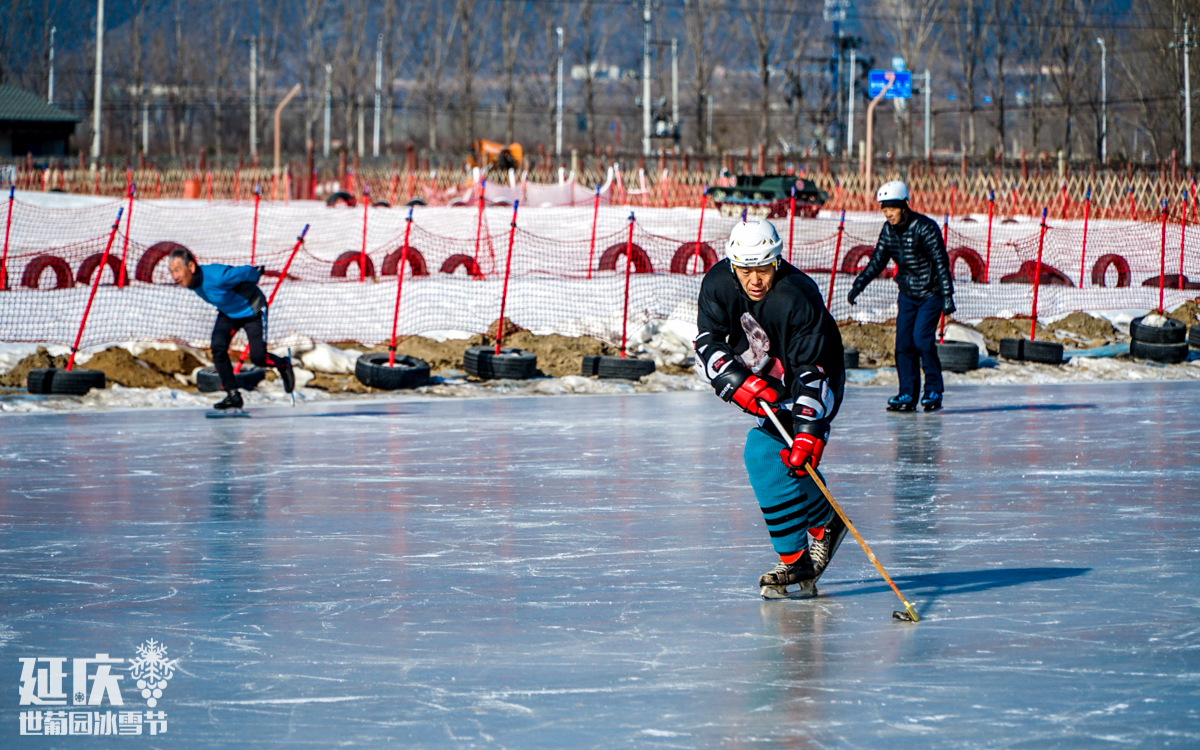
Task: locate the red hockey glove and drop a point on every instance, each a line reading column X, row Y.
column 807, row 447
column 744, row 388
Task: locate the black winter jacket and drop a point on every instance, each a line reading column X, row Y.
column 920, row 255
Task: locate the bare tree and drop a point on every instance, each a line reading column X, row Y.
column 349, row 72
column 510, row 49
column 1002, row 20
column 314, row 16
column 967, row 17
column 433, row 32
column 1070, row 55
column 704, row 22
column 767, row 28
column 913, row 29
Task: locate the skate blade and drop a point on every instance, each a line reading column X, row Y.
column 802, row 591
column 226, row 414
column 902, row 408
column 933, row 408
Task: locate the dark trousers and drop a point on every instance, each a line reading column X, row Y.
column 223, row 333
column 916, row 329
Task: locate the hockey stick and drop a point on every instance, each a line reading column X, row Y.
column 910, row 614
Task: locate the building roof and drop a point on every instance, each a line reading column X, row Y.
column 17, row 105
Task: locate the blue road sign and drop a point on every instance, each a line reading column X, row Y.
column 901, row 89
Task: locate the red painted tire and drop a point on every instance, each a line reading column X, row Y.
column 685, row 258
column 351, row 258
column 33, row 272
column 1051, row 276
column 416, row 262
column 853, row 262
column 90, row 263
column 971, row 258
column 460, row 260
column 144, row 272
column 641, row 261
column 1100, row 269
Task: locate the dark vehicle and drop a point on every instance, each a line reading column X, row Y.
column 768, row 197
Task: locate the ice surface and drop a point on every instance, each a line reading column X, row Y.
column 553, row 573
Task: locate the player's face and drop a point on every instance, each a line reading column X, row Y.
column 756, row 280
column 182, row 272
column 893, row 215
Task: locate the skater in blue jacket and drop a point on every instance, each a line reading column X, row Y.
column 241, row 305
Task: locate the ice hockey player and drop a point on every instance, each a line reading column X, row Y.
column 915, row 243
column 240, row 304
column 765, row 336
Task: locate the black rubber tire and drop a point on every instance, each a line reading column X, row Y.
column 1172, row 333
column 409, row 372
column 850, row 358
column 510, row 364
column 1024, row 350
column 208, row 381
column 958, row 356
column 62, row 383
column 1194, row 336
column 608, row 367
column 1170, row 353
column 341, row 196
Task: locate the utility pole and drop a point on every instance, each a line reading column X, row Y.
column 1103, row 100
column 145, row 123
column 850, row 106
column 646, row 125
column 328, row 102
column 98, row 101
column 1187, row 96
column 254, row 97
column 708, row 130
column 675, row 85
column 928, row 151
column 50, row 93
column 558, row 101
column 378, row 90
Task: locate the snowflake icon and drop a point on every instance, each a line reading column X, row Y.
column 152, row 670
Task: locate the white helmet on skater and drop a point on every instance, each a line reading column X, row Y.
column 753, row 243
column 894, row 194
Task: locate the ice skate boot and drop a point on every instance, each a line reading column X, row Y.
column 822, row 550
column 230, row 406
column 931, row 401
column 903, row 402
column 286, row 374
column 795, row 581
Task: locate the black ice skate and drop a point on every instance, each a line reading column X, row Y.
column 822, row 550
column 286, row 374
column 795, row 581
column 931, row 401
column 230, row 406
column 903, row 402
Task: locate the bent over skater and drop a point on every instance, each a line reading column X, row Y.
column 241, row 305
column 914, row 241
column 765, row 336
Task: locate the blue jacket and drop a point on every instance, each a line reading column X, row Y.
column 231, row 289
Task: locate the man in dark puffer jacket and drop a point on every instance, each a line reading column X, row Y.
column 915, row 243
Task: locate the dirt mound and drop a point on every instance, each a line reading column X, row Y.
column 119, row 366
column 509, row 329
column 994, row 329
column 559, row 355
column 1084, row 330
column 876, row 344
column 1188, row 313
column 171, row 362
column 16, row 377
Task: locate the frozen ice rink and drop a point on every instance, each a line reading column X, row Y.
column 580, row 572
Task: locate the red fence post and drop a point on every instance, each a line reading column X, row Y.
column 399, row 287
column 282, row 275
column 628, row 270
column 987, row 261
column 95, row 284
column 1182, row 235
column 507, row 270
column 1162, row 260
column 700, row 232
column 125, row 241
column 392, row 189
column 1037, row 278
column 595, row 218
column 1087, row 208
column 7, row 226
column 791, row 224
column 1065, row 200
column 479, row 222
column 837, row 250
column 254, row 229
column 1132, row 208
column 362, row 255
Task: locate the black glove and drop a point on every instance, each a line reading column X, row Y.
column 948, row 305
column 853, row 295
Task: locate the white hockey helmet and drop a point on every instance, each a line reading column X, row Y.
column 753, row 243
column 892, row 191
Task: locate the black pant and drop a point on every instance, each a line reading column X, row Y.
column 916, row 326
column 223, row 332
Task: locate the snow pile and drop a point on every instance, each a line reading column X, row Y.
column 669, row 342
column 118, row 397
column 321, row 357
column 955, row 332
